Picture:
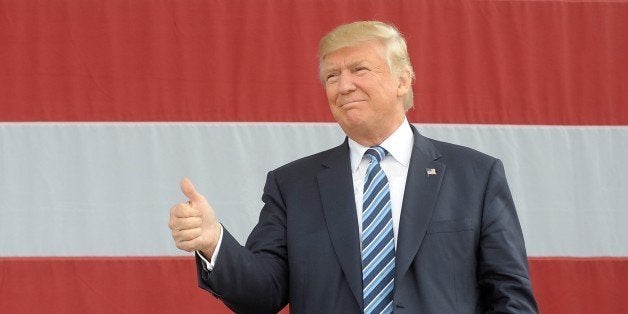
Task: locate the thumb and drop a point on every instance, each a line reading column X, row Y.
column 188, row 189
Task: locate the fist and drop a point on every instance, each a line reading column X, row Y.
column 193, row 224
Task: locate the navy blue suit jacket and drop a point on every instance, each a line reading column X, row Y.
column 460, row 247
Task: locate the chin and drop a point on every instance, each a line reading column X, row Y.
column 354, row 126
column 353, row 119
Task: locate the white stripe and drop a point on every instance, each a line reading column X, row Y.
column 105, row 188
column 375, row 202
column 376, row 300
column 386, row 249
column 366, row 232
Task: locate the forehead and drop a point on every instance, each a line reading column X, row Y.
column 370, row 52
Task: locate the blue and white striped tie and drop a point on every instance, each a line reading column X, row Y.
column 378, row 242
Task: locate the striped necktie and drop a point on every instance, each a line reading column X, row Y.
column 378, row 243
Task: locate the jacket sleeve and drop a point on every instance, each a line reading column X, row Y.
column 503, row 273
column 254, row 278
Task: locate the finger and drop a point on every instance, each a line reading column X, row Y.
column 187, row 223
column 184, row 210
column 188, row 189
column 190, row 246
column 185, row 245
column 186, row 235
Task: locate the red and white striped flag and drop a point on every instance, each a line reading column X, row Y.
column 107, row 104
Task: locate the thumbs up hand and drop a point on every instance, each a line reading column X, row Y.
column 193, row 224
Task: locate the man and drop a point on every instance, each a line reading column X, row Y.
column 387, row 221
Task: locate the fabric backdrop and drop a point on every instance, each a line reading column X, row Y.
column 105, row 105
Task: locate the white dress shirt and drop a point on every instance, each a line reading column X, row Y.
column 395, row 165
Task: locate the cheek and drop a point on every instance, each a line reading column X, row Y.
column 331, row 94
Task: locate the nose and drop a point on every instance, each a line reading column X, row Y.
column 346, row 84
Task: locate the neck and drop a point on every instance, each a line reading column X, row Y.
column 375, row 136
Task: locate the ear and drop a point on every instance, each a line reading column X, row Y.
column 404, row 83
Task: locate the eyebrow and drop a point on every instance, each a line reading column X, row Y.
column 351, row 64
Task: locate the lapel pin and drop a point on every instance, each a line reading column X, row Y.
column 430, row 171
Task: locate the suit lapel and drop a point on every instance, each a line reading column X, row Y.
column 336, row 188
column 419, row 199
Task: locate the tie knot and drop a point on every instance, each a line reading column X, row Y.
column 376, row 153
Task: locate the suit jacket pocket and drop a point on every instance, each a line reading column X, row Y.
column 444, row 226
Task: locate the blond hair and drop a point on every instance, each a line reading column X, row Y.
column 352, row 34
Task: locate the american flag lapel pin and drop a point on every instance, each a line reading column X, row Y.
column 430, row 171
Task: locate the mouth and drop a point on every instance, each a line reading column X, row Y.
column 345, row 103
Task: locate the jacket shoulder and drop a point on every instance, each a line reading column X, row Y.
column 310, row 163
column 461, row 155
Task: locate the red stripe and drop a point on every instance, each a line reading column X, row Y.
column 504, row 62
column 168, row 285
column 103, row 285
column 580, row 285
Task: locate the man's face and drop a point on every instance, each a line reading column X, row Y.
column 364, row 96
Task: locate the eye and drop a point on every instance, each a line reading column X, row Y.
column 361, row 69
column 331, row 78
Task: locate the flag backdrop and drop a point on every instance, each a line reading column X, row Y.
column 105, row 105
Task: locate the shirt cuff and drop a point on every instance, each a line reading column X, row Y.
column 209, row 265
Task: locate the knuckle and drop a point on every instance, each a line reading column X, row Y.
column 174, row 210
column 183, row 235
column 181, row 210
column 180, row 245
column 176, row 236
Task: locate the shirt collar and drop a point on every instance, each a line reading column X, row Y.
column 399, row 146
